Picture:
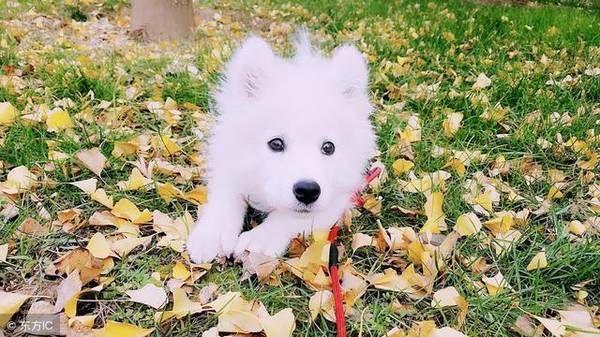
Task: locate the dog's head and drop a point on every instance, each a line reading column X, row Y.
column 301, row 125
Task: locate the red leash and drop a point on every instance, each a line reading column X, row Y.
column 338, row 301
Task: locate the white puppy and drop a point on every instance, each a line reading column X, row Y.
column 292, row 139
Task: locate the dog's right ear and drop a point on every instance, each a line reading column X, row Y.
column 247, row 71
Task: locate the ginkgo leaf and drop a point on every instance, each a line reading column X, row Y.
column 243, row 322
column 446, row 297
column 450, row 297
column 198, row 195
column 182, row 306
column 484, row 200
column 124, row 246
column 539, row 261
column 100, row 196
column 321, row 302
column 452, row 123
column 3, row 252
column 401, row 166
column 93, row 159
column 495, row 284
column 212, row 332
column 176, row 231
column 126, row 209
column 99, row 246
column 579, row 320
column 500, row 224
column 88, row 186
column 8, row 113
column 180, row 271
column 282, row 324
column 135, row 181
column 373, row 204
column 18, row 180
column 226, row 302
column 412, row 132
column 555, row 327
column 435, row 214
column 150, row 295
column 58, row 119
column 361, row 240
column 467, row 224
column 482, row 81
column 117, row 329
column 168, row 192
column 447, row 332
column 165, row 145
column 577, row 227
column 67, row 289
column 9, row 305
column 87, row 320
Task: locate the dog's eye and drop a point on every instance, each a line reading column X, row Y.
column 328, row 148
column 277, row 145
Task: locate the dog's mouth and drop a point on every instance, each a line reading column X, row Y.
column 303, row 210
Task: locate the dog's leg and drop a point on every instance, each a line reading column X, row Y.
column 273, row 236
column 218, row 228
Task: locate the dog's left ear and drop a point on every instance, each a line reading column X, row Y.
column 247, row 70
column 350, row 71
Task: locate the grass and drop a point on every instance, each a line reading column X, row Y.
column 409, row 43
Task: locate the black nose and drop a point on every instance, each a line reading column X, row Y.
column 307, row 191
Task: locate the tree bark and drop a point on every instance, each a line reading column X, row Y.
column 162, row 19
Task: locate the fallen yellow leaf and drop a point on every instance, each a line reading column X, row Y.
column 401, row 166
column 99, row 246
column 436, row 219
column 539, row 261
column 361, row 240
column 282, row 324
column 482, row 81
column 452, row 123
column 467, row 224
column 126, row 209
column 58, row 119
column 8, row 113
column 321, row 302
column 66, row 294
column 9, row 305
column 495, row 284
column 117, row 329
column 3, row 252
column 135, row 181
column 180, row 271
column 124, row 246
column 100, row 196
column 168, row 192
column 18, row 180
column 198, row 195
column 555, row 327
column 165, row 145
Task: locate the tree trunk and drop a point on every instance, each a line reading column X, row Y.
column 162, row 19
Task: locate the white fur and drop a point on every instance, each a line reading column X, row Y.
column 306, row 101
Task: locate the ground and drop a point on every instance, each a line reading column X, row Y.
column 504, row 100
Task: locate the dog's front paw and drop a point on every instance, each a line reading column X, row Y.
column 264, row 241
column 207, row 242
